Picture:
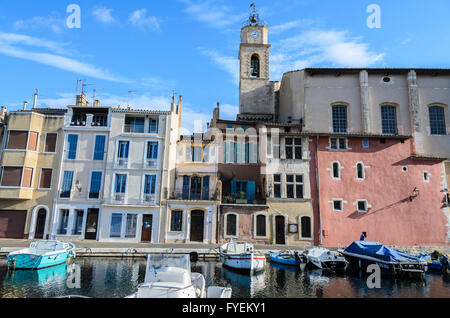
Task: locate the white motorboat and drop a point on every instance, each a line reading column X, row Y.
column 170, row 276
column 322, row 258
column 241, row 256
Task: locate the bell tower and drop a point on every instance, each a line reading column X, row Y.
column 254, row 84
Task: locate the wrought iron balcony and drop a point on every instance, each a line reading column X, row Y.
column 179, row 194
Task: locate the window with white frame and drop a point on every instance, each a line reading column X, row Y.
column 339, row 118
column 338, row 143
column 338, row 205
column 336, row 170
column 426, row 176
column 153, row 125
column 305, row 222
column 293, row 148
column 231, row 224
column 437, row 120
column 261, row 224
column 120, row 186
column 63, row 222
column 131, row 226
column 294, row 186
column 360, row 171
column 277, row 185
column 362, row 206
column 389, row 119
column 176, row 221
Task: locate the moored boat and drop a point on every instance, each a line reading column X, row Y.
column 41, row 254
column 361, row 254
column 322, row 258
column 170, row 276
column 241, row 256
column 285, row 258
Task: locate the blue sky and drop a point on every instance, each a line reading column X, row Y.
column 191, row 47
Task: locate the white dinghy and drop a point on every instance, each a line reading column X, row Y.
column 322, row 258
column 170, row 276
column 241, row 256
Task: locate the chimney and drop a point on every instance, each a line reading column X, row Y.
column 172, row 108
column 3, row 112
column 96, row 103
column 25, row 103
column 35, row 100
column 81, row 100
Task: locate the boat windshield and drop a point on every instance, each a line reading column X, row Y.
column 161, row 267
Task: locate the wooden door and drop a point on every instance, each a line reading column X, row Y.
column 280, row 230
column 40, row 224
column 147, row 224
column 197, row 226
column 91, row 224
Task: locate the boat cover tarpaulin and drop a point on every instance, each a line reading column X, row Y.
column 381, row 252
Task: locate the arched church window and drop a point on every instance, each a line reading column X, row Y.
column 254, row 70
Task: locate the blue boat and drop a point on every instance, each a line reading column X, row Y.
column 41, row 254
column 285, row 258
column 361, row 254
column 431, row 264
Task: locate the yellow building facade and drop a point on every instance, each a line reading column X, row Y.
column 31, row 151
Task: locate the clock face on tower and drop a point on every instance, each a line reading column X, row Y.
column 255, row 34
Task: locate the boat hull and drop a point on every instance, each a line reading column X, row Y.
column 284, row 259
column 357, row 263
column 251, row 262
column 337, row 266
column 35, row 262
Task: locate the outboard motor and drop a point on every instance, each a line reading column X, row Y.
column 445, row 264
column 194, row 257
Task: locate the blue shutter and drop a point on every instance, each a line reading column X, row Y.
column 96, row 182
column 99, row 151
column 251, row 190
column 67, row 184
column 186, row 183
column 233, row 187
column 205, row 192
column 73, row 143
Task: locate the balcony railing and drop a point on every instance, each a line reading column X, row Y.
column 233, row 198
column 179, row 194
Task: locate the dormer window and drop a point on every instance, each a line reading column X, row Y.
column 254, row 70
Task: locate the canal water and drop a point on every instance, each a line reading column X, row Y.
column 116, row 278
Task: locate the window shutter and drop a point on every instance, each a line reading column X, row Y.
column 17, row 139
column 186, row 184
column 46, row 179
column 205, row 192
column 233, row 187
column 32, row 141
column 188, row 153
column 251, row 190
column 99, row 151
column 73, row 142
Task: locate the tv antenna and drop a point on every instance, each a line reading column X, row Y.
column 95, row 90
column 80, row 81
column 84, row 86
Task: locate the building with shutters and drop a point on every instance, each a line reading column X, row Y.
column 80, row 181
column 31, row 149
column 191, row 215
column 139, row 172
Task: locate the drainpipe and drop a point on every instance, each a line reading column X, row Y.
column 318, row 189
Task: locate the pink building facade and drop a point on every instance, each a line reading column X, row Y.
column 369, row 187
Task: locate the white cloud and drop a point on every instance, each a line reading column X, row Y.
column 228, row 111
column 51, row 59
column 140, row 19
column 313, row 47
column 278, row 29
column 56, row 24
column 227, row 63
column 156, row 83
column 211, row 13
column 104, row 15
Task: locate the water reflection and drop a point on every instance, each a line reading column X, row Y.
column 116, row 278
